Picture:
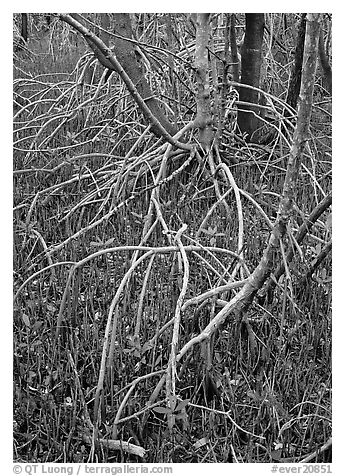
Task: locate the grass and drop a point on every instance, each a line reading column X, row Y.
column 271, row 369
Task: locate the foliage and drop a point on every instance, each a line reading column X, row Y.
column 109, row 282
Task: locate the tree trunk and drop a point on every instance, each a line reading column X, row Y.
column 105, row 23
column 126, row 63
column 295, row 80
column 24, row 27
column 203, row 117
column 23, row 38
column 248, row 119
column 243, row 299
column 235, row 63
column 130, row 60
column 326, row 67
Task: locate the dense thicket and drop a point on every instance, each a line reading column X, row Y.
column 172, row 237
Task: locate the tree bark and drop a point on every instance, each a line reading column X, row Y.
column 24, row 27
column 240, row 303
column 130, row 61
column 169, row 36
column 247, row 118
column 326, row 67
column 304, row 229
column 105, row 23
column 203, row 117
column 235, row 62
column 23, row 38
column 296, row 74
column 131, row 74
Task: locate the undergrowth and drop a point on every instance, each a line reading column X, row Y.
column 85, row 173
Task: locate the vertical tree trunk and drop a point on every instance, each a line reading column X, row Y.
column 326, row 67
column 296, row 74
column 130, row 60
column 23, row 38
column 24, row 27
column 169, row 34
column 235, row 63
column 203, row 118
column 240, row 303
column 224, row 92
column 251, row 66
column 105, row 24
column 171, row 62
column 304, row 112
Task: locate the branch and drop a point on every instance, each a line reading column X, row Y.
column 117, row 445
column 301, row 233
column 109, row 60
column 239, row 303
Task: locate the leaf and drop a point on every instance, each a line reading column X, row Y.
column 210, row 231
column 287, row 425
column 254, row 395
column 137, row 215
column 95, row 243
column 202, row 442
column 26, row 320
column 162, row 410
column 37, row 325
column 109, row 242
column 182, row 405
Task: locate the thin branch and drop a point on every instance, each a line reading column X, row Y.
column 109, row 60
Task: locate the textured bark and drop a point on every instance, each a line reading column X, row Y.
column 24, row 27
column 89, row 76
column 248, row 121
column 304, row 111
column 137, row 86
column 300, row 136
column 235, row 62
column 225, row 86
column 105, row 23
column 240, row 303
column 326, row 67
column 130, row 61
column 304, row 229
column 296, row 74
column 203, row 117
column 23, row 38
column 170, row 43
